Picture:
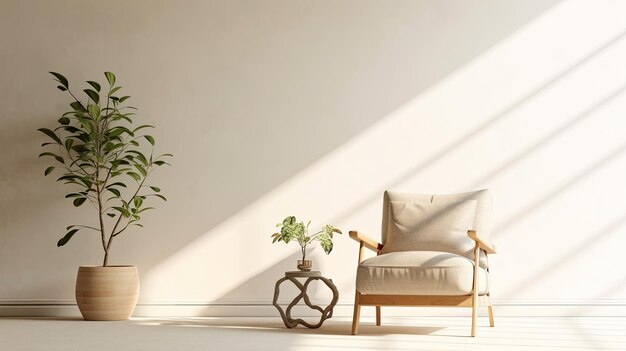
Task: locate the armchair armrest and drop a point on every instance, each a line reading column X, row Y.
column 367, row 241
column 482, row 243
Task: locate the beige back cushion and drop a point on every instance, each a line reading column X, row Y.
column 416, row 222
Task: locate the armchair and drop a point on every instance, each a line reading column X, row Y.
column 433, row 253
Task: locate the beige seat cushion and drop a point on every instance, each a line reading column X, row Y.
column 419, row 273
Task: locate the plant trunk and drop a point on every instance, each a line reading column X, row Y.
column 106, row 251
column 104, row 246
column 303, row 253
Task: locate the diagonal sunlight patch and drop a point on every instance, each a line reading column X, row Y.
column 526, row 95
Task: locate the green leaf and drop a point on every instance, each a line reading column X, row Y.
column 74, row 195
column 157, row 190
column 77, row 106
column 110, row 78
column 139, row 156
column 134, row 175
column 327, row 245
column 86, row 181
column 146, row 209
column 124, row 98
column 111, row 215
column 141, row 170
column 68, row 177
column 142, row 127
column 62, row 88
column 64, row 121
column 48, row 170
column 292, row 230
column 71, row 129
column 123, row 211
column 66, row 238
column 137, row 201
column 92, row 95
column 114, row 90
column 94, row 111
column 61, row 79
column 111, row 146
column 94, row 85
column 79, row 201
column 161, row 196
column 118, row 130
column 116, row 184
column 114, row 191
column 51, row 134
column 289, row 220
column 68, row 144
column 149, row 138
column 56, row 157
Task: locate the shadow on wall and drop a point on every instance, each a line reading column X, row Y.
column 553, row 195
column 231, row 203
column 264, row 280
column 224, row 202
column 595, row 239
column 570, row 124
column 273, row 272
column 490, row 123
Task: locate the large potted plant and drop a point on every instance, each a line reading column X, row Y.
column 102, row 156
column 293, row 231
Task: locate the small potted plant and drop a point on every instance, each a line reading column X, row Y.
column 101, row 156
column 291, row 230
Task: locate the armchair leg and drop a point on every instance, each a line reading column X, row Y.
column 378, row 315
column 490, row 307
column 356, row 315
column 475, row 289
column 474, row 317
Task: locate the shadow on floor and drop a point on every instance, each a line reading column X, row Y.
column 329, row 328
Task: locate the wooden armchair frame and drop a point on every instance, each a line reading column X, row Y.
column 474, row 300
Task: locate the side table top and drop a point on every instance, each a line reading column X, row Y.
column 298, row 274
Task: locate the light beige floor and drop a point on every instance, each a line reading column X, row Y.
column 423, row 333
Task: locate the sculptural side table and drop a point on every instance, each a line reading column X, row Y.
column 310, row 276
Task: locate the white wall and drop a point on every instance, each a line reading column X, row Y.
column 313, row 109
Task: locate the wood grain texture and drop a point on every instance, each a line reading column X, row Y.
column 356, row 314
column 366, row 240
column 474, row 301
column 482, row 242
column 490, row 308
column 475, row 288
column 107, row 293
column 420, row 300
column 326, row 312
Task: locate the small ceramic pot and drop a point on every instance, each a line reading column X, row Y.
column 305, row 265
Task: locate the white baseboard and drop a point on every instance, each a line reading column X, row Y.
column 187, row 308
